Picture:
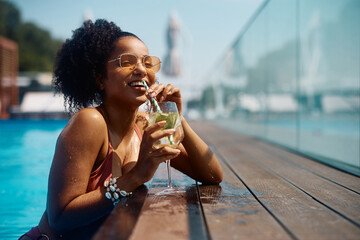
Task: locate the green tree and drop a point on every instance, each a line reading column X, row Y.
column 9, row 20
column 37, row 49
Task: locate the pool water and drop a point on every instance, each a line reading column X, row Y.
column 26, row 151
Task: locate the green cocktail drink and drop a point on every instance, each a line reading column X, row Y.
column 172, row 122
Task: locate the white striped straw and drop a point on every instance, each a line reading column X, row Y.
column 171, row 139
column 152, row 99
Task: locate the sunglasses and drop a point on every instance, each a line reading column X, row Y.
column 128, row 62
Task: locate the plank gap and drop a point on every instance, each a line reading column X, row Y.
column 286, row 229
column 317, row 200
column 206, row 226
column 280, row 156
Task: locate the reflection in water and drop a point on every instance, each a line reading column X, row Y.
column 229, row 198
column 171, row 190
column 160, row 185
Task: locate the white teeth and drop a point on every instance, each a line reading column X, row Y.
column 134, row 84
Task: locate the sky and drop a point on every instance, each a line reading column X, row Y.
column 208, row 27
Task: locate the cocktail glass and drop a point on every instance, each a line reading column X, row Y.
column 169, row 113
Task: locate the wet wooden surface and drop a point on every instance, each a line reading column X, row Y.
column 267, row 193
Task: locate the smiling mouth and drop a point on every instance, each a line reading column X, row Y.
column 136, row 84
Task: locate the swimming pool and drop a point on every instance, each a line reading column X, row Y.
column 26, row 151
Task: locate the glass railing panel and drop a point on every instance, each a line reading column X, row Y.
column 329, row 80
column 280, row 78
column 250, row 113
column 292, row 77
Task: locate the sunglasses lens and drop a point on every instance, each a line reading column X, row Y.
column 152, row 64
column 128, row 61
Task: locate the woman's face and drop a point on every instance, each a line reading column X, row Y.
column 121, row 86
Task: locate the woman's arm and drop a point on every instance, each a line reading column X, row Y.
column 196, row 159
column 80, row 144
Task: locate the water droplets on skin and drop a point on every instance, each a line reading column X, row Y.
column 73, row 179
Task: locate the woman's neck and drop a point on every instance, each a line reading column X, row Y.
column 120, row 120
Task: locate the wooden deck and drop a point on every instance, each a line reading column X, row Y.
column 266, row 193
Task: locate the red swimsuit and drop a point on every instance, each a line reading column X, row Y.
column 103, row 172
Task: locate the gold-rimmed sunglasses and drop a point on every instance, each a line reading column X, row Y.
column 128, row 62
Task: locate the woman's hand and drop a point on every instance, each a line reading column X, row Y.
column 167, row 93
column 150, row 158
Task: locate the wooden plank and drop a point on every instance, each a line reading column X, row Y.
column 231, row 212
column 172, row 216
column 301, row 214
column 121, row 222
column 341, row 200
column 341, row 178
column 304, row 217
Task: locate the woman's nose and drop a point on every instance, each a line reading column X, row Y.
column 139, row 68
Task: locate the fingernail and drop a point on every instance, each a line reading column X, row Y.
column 171, row 131
column 162, row 98
column 162, row 123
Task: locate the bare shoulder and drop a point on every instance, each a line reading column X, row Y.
column 86, row 123
column 142, row 120
column 88, row 117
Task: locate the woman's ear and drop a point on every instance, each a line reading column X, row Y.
column 100, row 82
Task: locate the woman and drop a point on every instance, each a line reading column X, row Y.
column 96, row 68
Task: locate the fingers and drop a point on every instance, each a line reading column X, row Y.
column 160, row 134
column 156, row 89
column 149, row 161
column 170, row 92
column 156, row 156
column 154, row 133
column 165, row 93
column 155, row 127
column 165, row 153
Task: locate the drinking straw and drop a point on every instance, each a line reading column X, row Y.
column 152, row 99
column 157, row 109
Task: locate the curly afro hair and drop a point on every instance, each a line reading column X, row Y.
column 82, row 60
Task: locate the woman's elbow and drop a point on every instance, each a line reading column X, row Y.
column 217, row 179
column 217, row 175
column 56, row 224
column 213, row 178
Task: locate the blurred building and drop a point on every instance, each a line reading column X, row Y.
column 8, row 76
column 37, row 98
